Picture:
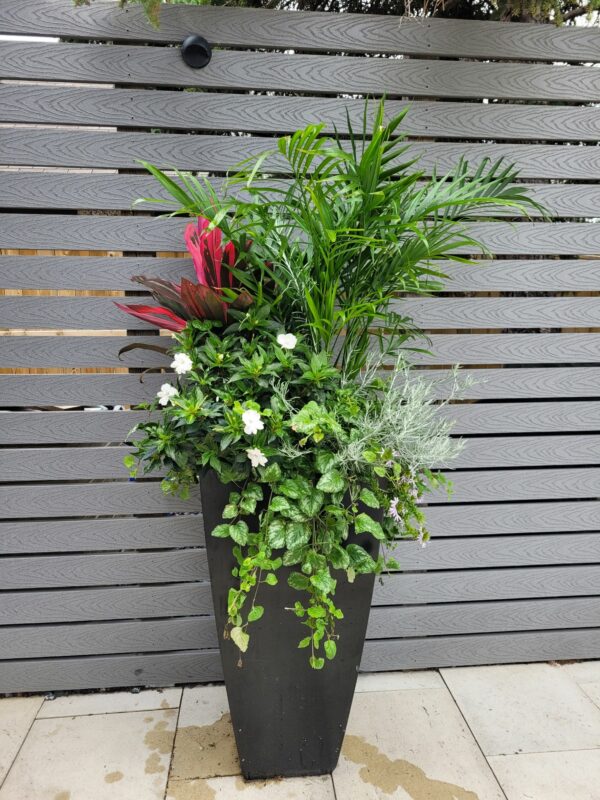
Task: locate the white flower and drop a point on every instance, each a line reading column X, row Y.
column 182, row 363
column 287, row 340
column 166, row 393
column 252, row 422
column 257, row 457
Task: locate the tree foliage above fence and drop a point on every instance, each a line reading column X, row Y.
column 549, row 11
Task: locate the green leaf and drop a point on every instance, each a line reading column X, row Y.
column 366, row 524
column 240, row 637
column 279, row 504
column 332, row 481
column 254, row 490
column 297, row 534
column 369, row 498
column 304, row 642
column 310, row 504
column 361, row 561
column 339, row 557
column 330, row 648
column 271, row 579
column 230, row 511
column 248, row 505
column 291, row 557
column 129, row 461
column 298, row 581
column 316, row 663
column 221, row 531
column 324, row 460
column 255, row 613
column 239, row 532
column 271, row 474
column 295, row 487
column 316, row 611
column 276, row 533
column 323, row 582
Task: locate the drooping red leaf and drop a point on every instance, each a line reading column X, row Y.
column 202, row 302
column 155, row 315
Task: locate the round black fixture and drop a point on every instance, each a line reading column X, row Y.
column 196, row 51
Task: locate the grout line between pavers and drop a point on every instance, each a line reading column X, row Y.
column 110, row 713
column 471, row 731
column 173, row 746
column 23, row 740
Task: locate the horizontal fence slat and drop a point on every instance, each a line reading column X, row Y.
column 110, row 389
column 501, row 648
column 529, row 451
column 521, row 484
column 465, row 618
column 492, row 312
column 503, row 551
column 50, row 641
column 107, row 150
column 115, row 602
column 104, row 672
column 80, row 535
column 101, row 313
column 511, row 518
column 18, row 465
column 544, row 275
column 543, row 417
column 67, row 427
column 98, row 232
column 40, row 572
column 163, row 66
column 91, row 499
column 60, row 190
column 457, row 586
column 102, row 351
column 309, row 31
column 176, row 110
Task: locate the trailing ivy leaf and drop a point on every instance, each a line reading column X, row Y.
column 332, row 481
column 369, row 498
column 248, row 505
column 324, row 460
column 129, row 461
column 295, row 487
column 291, row 557
column 255, row 613
column 316, row 663
column 362, row 562
column 298, row 581
column 271, row 579
column 276, row 533
column 293, row 513
column 299, row 609
column 239, row 532
column 240, row 637
column 323, row 582
column 310, row 503
column 272, row 473
column 254, row 490
column 297, row 534
column 339, row 557
column 366, row 524
column 330, row 648
column 221, row 531
column 316, row 611
column 279, row 504
column 304, row 642
column 230, row 511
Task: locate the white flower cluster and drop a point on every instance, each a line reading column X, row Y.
column 252, row 422
column 181, row 363
column 166, row 394
column 287, row 340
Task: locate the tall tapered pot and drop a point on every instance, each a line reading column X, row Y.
column 288, row 718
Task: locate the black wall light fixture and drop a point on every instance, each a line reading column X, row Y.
column 196, row 51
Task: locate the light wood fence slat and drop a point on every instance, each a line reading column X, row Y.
column 197, row 111
column 308, row 31
column 214, row 154
column 314, row 74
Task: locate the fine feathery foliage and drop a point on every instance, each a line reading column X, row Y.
column 291, row 381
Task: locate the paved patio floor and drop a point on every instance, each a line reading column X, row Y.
column 523, row 732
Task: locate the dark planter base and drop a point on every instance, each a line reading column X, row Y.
column 289, row 720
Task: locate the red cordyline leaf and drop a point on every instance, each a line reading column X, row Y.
column 155, row 315
column 202, row 300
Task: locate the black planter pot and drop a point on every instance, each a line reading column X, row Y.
column 289, row 719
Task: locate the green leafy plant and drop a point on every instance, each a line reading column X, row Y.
column 299, row 398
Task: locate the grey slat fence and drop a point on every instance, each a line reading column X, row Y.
column 103, row 581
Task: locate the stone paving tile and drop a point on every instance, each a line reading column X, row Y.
column 109, row 703
column 16, row 717
column 524, row 708
column 394, row 681
column 411, row 745
column 229, row 788
column 570, row 775
column 204, row 744
column 583, row 672
column 98, row 757
column 592, row 690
